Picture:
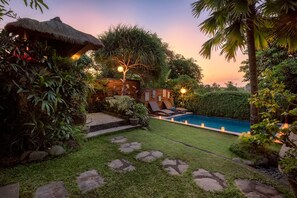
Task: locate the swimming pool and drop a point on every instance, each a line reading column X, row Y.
column 216, row 123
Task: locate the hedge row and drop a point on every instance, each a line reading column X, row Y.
column 230, row 104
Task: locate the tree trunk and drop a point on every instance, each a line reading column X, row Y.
column 124, row 83
column 254, row 115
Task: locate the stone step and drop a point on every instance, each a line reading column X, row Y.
column 100, row 121
column 111, row 130
column 108, row 125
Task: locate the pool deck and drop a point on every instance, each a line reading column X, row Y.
column 193, row 125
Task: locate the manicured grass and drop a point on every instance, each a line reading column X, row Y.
column 148, row 180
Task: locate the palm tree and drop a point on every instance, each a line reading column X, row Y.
column 236, row 25
column 132, row 49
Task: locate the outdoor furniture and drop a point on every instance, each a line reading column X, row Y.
column 169, row 106
column 156, row 109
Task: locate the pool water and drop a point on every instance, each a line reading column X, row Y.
column 232, row 125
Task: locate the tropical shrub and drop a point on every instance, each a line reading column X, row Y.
column 42, row 96
column 183, row 81
column 121, row 105
column 230, row 104
column 277, row 103
column 96, row 97
column 140, row 111
column 249, row 147
column 128, row 107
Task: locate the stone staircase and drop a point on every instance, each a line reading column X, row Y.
column 102, row 123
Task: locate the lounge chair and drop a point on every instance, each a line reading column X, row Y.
column 169, row 106
column 156, row 109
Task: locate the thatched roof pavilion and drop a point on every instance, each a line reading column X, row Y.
column 62, row 37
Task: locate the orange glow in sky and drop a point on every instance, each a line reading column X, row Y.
column 172, row 20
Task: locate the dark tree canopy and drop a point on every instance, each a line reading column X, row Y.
column 282, row 64
column 179, row 65
column 230, row 86
column 136, row 49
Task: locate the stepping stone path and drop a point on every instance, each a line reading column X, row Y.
column 10, row 191
column 130, row 147
column 121, row 165
column 119, row 139
column 214, row 182
column 255, row 189
column 54, row 189
column 89, row 180
column 175, row 167
column 149, row 156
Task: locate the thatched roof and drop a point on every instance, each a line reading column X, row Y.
column 54, row 29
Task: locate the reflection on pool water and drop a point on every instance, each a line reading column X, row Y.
column 231, row 125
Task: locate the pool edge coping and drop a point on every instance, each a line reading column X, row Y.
column 195, row 126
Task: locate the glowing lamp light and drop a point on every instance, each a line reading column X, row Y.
column 183, row 90
column 172, row 119
column 285, row 126
column 160, row 117
column 202, row 125
column 75, row 57
column 223, row 129
column 120, row 68
column 186, row 121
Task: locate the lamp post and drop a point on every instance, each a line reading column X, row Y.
column 182, row 91
column 123, row 69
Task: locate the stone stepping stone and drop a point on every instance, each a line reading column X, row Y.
column 255, row 189
column 214, row 182
column 149, row 156
column 130, row 147
column 121, row 166
column 10, row 191
column 119, row 140
column 54, row 189
column 175, row 167
column 89, row 180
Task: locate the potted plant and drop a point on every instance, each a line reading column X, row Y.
column 133, row 119
column 139, row 114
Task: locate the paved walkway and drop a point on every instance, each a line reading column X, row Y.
column 100, row 118
column 90, row 180
column 130, row 147
column 149, row 156
column 175, row 166
column 209, row 181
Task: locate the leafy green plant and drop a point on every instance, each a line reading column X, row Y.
column 277, row 103
column 127, row 106
column 42, row 96
column 140, row 111
column 120, row 104
column 97, row 94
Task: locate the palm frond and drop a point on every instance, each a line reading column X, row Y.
column 209, row 45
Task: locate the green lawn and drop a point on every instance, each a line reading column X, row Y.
column 148, row 180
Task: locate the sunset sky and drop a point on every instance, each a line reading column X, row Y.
column 172, row 20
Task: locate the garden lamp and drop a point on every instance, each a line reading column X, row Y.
column 183, row 90
column 120, row 69
column 123, row 70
